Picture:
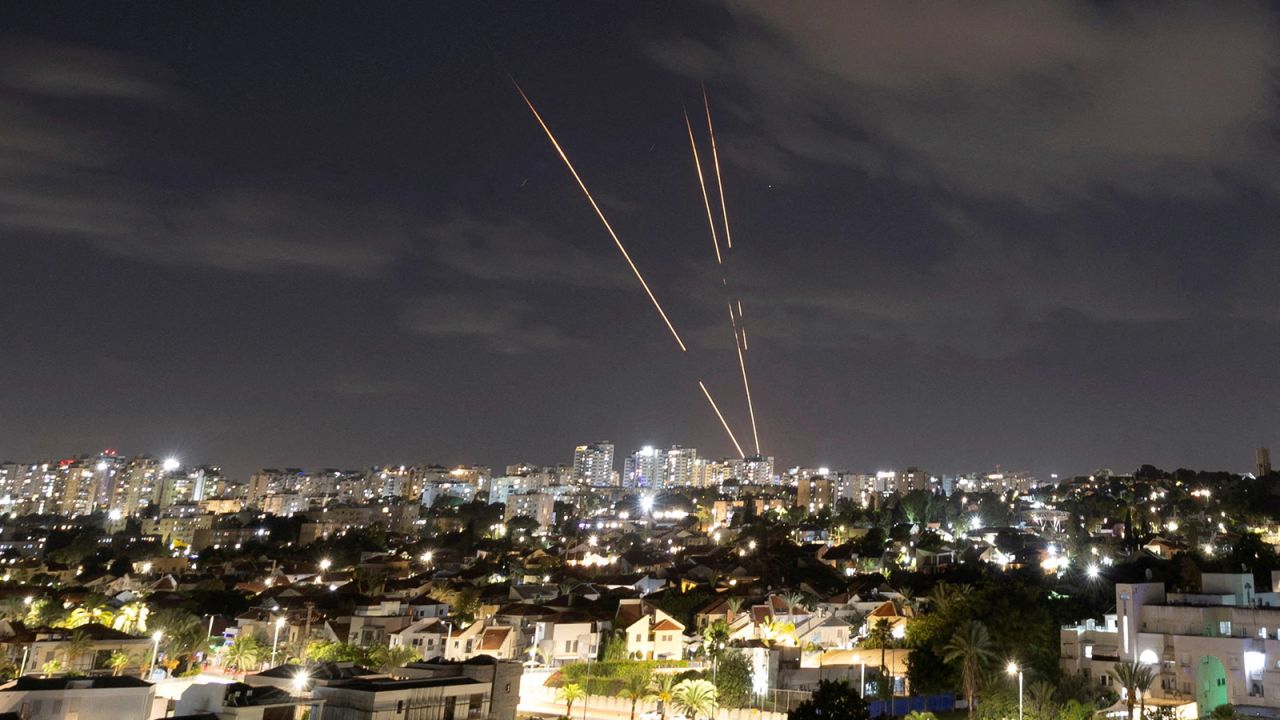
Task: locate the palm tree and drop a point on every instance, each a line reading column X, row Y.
column 84, row 615
column 635, row 687
column 663, row 690
column 1040, row 697
column 244, row 654
column 695, row 697
column 77, row 646
column 793, row 600
column 732, row 606
column 880, row 636
column 118, row 661
column 569, row 694
column 1135, row 678
column 184, row 633
column 132, row 618
column 389, row 658
column 971, row 647
column 45, row 613
column 714, row 638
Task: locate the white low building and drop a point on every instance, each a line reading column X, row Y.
column 1218, row 646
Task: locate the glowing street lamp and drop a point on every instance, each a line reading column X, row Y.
column 1013, row 669
column 1093, row 571
column 426, row 556
column 155, row 650
column 275, row 640
column 300, row 681
column 171, row 464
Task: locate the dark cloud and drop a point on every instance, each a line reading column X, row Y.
column 71, row 174
column 505, row 326
column 1041, row 103
column 514, row 251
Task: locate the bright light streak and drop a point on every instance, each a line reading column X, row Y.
column 722, row 420
column 600, row 214
column 715, row 160
column 702, row 183
column 171, row 464
column 751, row 410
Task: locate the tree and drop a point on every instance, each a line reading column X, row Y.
column 387, row 659
column 917, row 715
column 569, row 694
column 1136, row 679
column 635, row 687
column 733, row 681
column 832, row 700
column 714, row 638
column 663, row 690
column 184, row 633
column 77, row 646
column 695, row 697
column 971, row 647
column 131, row 618
column 1041, row 701
column 244, row 654
column 118, row 661
column 466, row 605
column 880, row 636
column 84, row 615
column 792, row 600
column 731, row 608
column 45, row 613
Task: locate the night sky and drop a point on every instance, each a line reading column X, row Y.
column 1040, row 235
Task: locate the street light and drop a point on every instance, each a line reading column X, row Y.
column 300, row 681
column 1013, row 669
column 155, row 651
column 276, row 639
column 325, row 564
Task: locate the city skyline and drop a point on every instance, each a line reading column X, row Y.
column 350, row 242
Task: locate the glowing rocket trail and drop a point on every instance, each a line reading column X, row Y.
column 722, row 421
column 715, row 159
column 703, row 184
column 750, row 408
column 742, row 365
column 600, row 214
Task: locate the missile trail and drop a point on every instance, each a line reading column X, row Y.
column 715, row 159
column 742, row 365
column 703, row 184
column 721, row 416
column 755, row 435
column 600, row 214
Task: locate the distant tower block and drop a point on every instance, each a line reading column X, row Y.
column 1264, row 461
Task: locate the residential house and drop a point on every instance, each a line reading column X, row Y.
column 651, row 634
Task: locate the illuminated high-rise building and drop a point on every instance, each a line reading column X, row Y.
column 593, row 464
column 645, row 468
column 681, row 468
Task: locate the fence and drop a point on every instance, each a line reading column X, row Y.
column 903, row 705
